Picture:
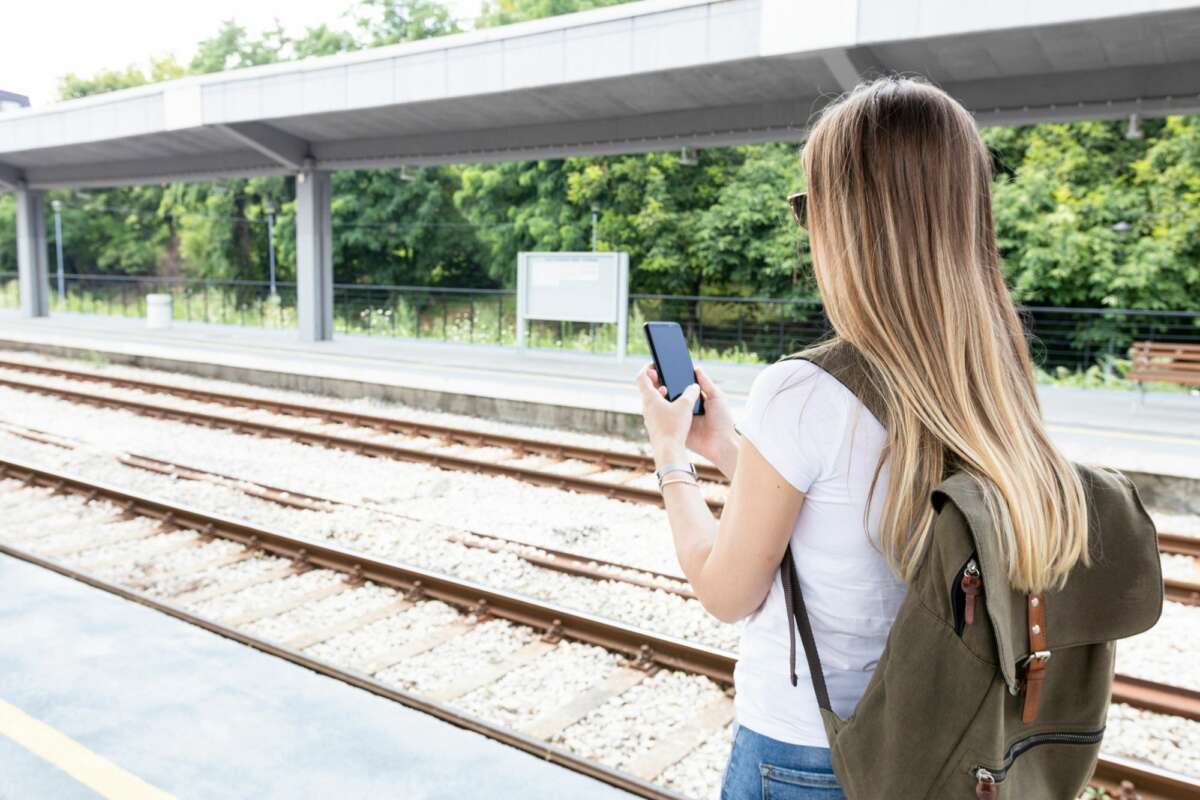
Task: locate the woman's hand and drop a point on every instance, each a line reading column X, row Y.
column 667, row 422
column 712, row 434
column 672, row 427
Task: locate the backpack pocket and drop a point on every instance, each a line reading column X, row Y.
column 964, row 594
column 988, row 777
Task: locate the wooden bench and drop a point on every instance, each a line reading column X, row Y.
column 1171, row 362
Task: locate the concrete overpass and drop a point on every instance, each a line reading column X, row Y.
column 650, row 75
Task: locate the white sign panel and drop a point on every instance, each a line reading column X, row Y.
column 575, row 287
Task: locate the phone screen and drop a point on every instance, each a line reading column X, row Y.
column 672, row 360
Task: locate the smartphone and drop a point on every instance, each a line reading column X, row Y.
column 671, row 359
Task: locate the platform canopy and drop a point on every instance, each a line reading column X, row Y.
column 642, row 76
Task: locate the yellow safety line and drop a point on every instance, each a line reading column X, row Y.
column 1143, row 437
column 97, row 773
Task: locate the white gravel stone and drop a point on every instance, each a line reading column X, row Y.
column 93, row 534
column 1184, row 524
column 489, row 642
column 230, row 606
column 115, row 561
column 320, row 614
column 633, row 533
column 206, row 578
column 357, row 648
column 1169, row 652
column 360, row 405
column 639, row 718
column 1182, row 568
column 1169, row 742
column 189, row 560
column 548, row 683
column 698, row 775
column 410, row 542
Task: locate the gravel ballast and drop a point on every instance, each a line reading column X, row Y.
column 407, row 541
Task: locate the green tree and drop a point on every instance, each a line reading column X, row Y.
column 1061, row 215
column 233, row 48
column 506, row 12
column 384, row 22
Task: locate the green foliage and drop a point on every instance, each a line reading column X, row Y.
column 390, row 21
column 1059, row 218
column 72, row 86
column 403, row 232
column 506, row 12
column 8, row 233
column 718, row 227
column 233, row 48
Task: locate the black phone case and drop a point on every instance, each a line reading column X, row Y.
column 698, row 410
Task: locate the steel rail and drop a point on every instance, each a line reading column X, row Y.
column 548, row 557
column 560, row 560
column 1150, row 782
column 1111, row 771
column 1161, row 698
column 611, row 458
column 359, row 446
column 550, row 752
column 1179, row 544
column 646, row 647
column 1140, row 693
column 1184, row 592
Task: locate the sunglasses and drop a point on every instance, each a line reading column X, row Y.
column 798, row 202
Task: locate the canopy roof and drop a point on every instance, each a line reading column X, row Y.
column 647, row 75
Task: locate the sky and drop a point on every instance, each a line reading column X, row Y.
column 45, row 40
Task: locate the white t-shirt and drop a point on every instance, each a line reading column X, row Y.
column 826, row 443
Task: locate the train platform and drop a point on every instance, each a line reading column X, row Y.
column 107, row 698
column 581, row 391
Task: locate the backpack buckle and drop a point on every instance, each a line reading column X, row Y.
column 1038, row 655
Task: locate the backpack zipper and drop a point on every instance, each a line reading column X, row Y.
column 968, row 584
column 987, row 780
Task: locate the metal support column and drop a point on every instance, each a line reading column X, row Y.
column 314, row 255
column 32, row 278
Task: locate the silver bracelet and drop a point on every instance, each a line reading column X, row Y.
column 668, row 482
column 666, row 468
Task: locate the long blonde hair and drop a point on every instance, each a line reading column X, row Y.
column 904, row 253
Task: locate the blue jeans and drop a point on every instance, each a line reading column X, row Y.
column 766, row 768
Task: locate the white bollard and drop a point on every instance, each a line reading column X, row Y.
column 158, row 311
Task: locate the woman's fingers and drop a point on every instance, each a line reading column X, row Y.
column 688, row 396
column 648, row 390
column 706, row 385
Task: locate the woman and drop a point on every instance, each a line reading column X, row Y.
column 898, row 210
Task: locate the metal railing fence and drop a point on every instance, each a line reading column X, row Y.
column 756, row 329
column 9, row 296
column 231, row 302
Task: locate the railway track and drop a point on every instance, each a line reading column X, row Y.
column 538, row 555
column 541, row 626
column 571, row 563
column 592, row 460
column 641, row 653
column 624, row 469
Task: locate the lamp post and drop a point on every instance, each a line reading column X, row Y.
column 595, row 219
column 269, row 207
column 57, row 206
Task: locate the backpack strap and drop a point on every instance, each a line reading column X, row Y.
column 1039, row 655
column 847, row 366
column 797, row 615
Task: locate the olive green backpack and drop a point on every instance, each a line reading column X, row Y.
column 982, row 691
